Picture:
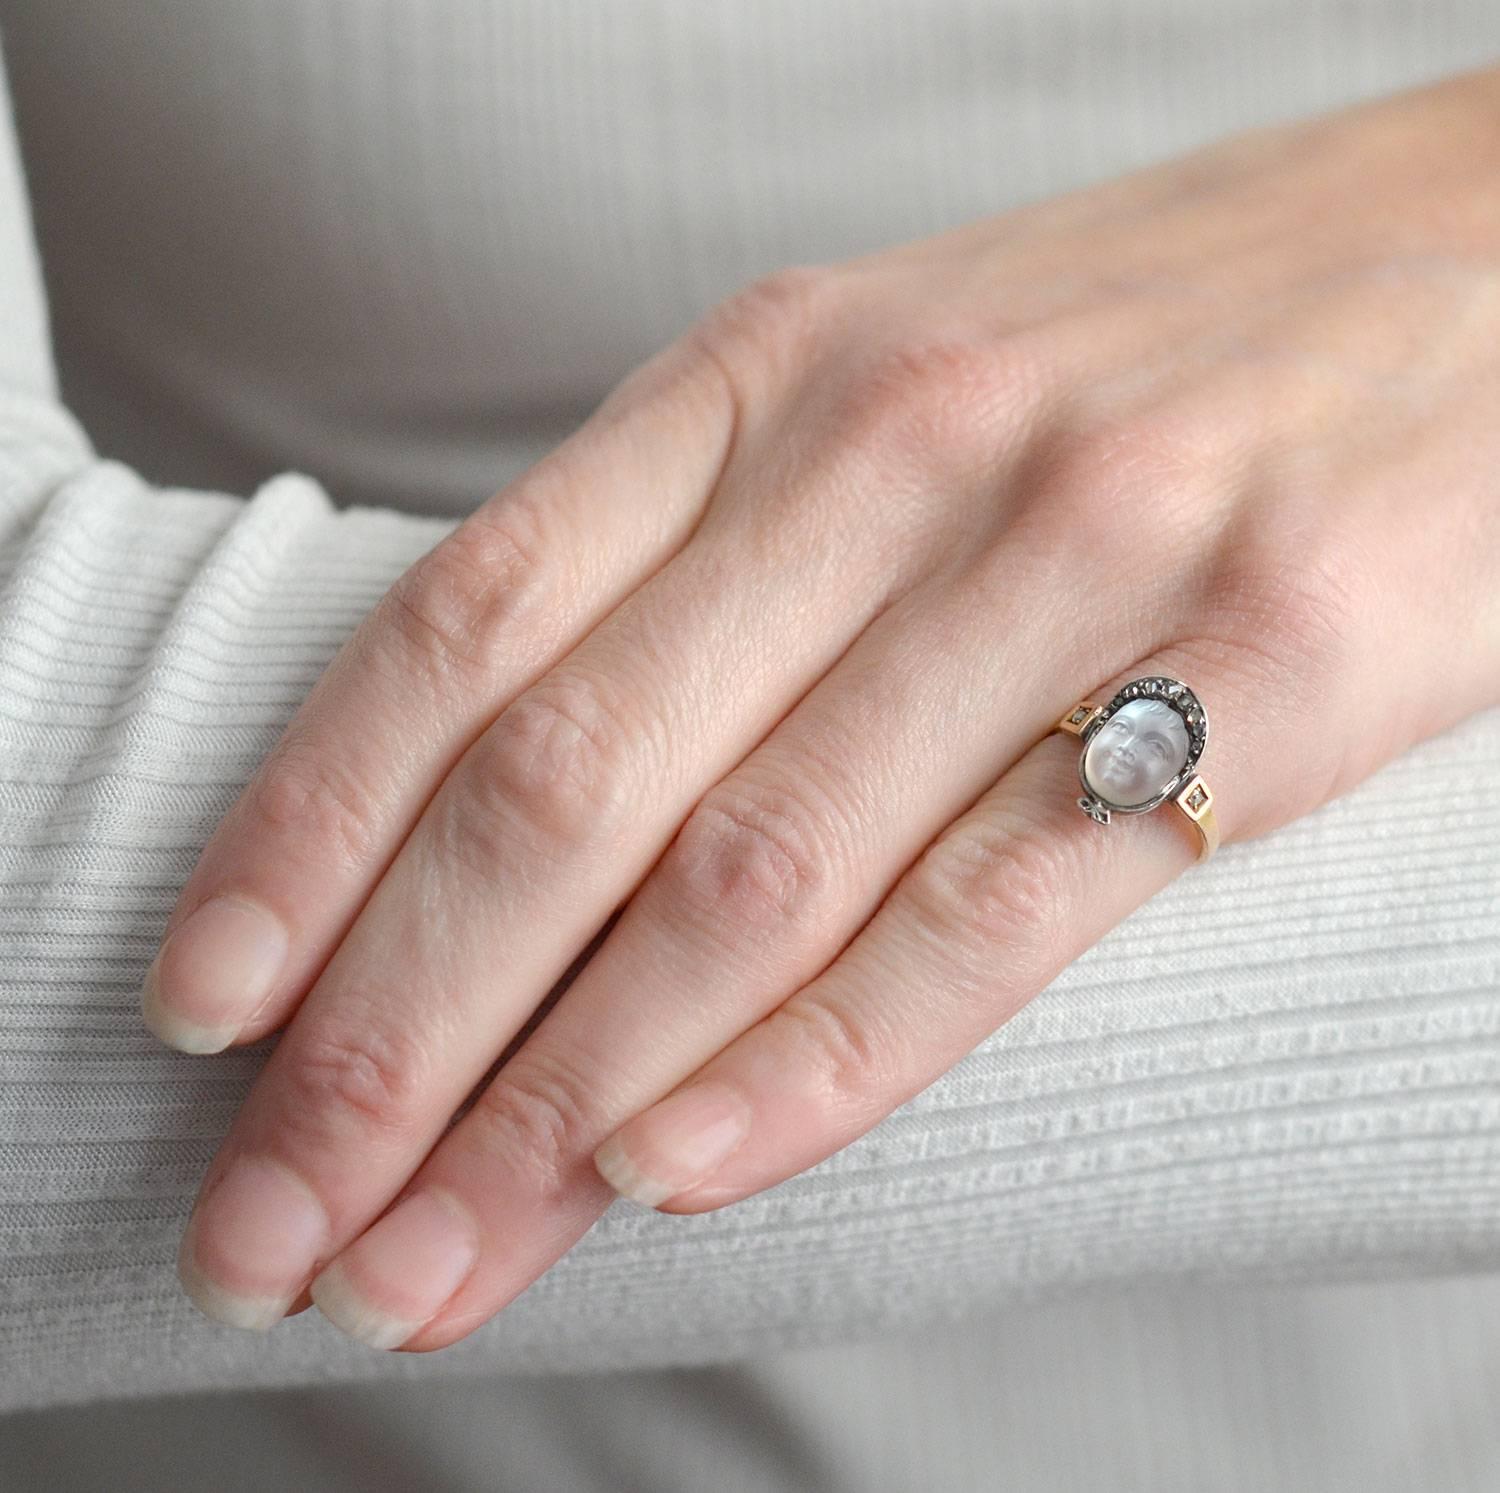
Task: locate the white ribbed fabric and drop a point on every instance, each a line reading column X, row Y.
column 400, row 249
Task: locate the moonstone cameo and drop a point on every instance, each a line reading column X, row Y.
column 1135, row 753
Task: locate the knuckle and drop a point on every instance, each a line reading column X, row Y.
column 941, row 400
column 1111, row 484
column 533, row 1117
column 749, row 858
column 841, row 1051
column 470, row 596
column 1292, row 600
column 764, row 328
column 555, row 765
column 370, row 1081
column 999, row 880
column 312, row 797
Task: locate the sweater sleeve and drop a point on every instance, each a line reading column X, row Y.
column 1284, row 1066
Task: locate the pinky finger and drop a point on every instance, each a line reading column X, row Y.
column 1006, row 897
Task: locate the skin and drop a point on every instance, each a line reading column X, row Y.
column 765, row 659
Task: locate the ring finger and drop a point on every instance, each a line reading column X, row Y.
column 1010, row 894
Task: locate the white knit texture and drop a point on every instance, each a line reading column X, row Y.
column 1285, row 1066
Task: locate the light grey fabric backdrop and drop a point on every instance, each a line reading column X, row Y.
column 386, row 254
column 1336, row 1389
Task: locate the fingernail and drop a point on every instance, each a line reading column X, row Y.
column 213, row 974
column 675, row 1144
column 399, row 1274
column 251, row 1244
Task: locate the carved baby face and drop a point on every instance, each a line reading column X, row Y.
column 1136, row 752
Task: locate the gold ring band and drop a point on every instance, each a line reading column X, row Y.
column 1178, row 748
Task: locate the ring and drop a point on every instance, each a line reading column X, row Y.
column 1141, row 749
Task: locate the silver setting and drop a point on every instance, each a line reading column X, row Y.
column 1172, row 692
column 1094, row 808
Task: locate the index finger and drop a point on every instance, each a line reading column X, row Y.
column 465, row 629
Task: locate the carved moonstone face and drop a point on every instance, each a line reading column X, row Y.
column 1136, row 753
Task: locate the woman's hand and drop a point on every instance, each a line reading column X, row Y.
column 768, row 653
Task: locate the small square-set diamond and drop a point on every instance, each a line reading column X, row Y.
column 1196, row 799
column 1080, row 714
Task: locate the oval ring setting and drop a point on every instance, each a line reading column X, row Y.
column 1140, row 749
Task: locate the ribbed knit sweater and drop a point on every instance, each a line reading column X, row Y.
column 322, row 275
